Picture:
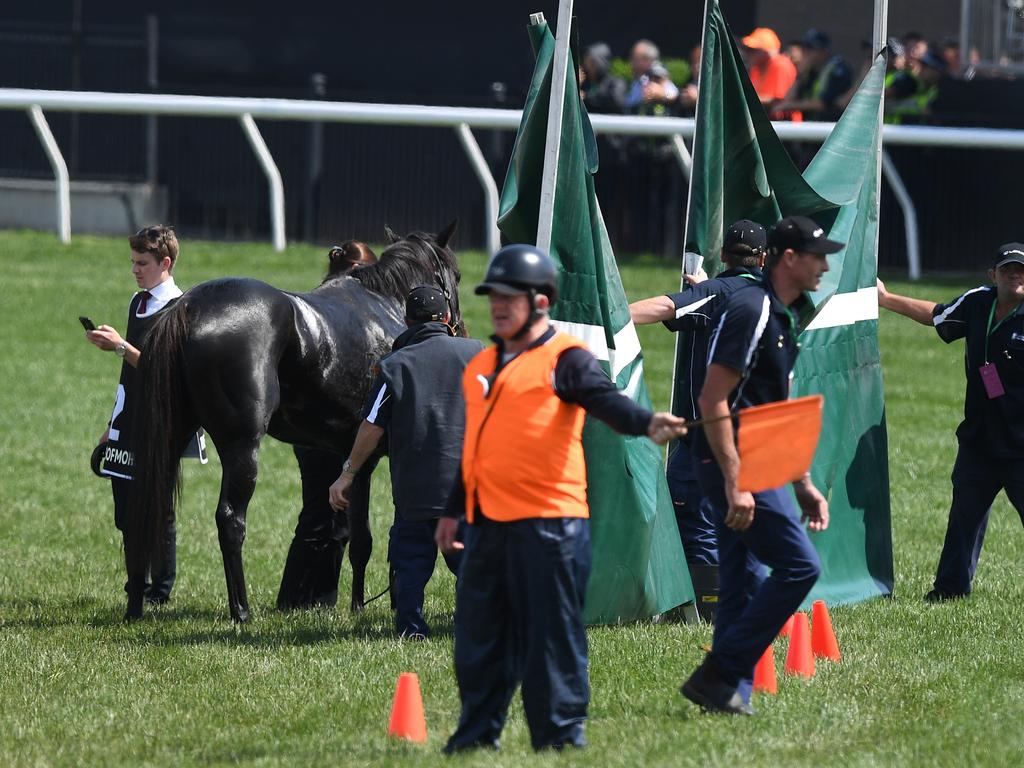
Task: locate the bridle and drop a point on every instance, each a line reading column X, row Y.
column 441, row 277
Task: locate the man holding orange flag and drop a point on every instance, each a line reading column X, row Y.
column 752, row 354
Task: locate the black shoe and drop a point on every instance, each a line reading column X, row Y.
column 940, row 596
column 711, row 693
column 157, row 599
column 451, row 748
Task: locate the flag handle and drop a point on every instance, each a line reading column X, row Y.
column 549, row 177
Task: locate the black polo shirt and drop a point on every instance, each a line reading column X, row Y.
column 756, row 335
column 695, row 307
column 992, row 426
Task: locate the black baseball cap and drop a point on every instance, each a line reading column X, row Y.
column 934, row 61
column 745, row 233
column 801, row 234
column 1008, row 253
column 815, row 39
column 425, row 303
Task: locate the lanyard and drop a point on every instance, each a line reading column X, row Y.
column 991, row 319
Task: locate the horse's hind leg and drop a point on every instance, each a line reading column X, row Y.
column 360, row 539
column 238, row 461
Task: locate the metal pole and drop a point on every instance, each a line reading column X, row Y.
column 909, row 216
column 152, row 81
column 965, row 35
column 559, row 71
column 60, row 172
column 483, row 173
column 682, row 156
column 878, row 41
column 314, row 162
column 273, row 179
column 76, row 75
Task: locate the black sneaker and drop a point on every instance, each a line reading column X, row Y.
column 941, row 596
column 711, row 693
column 452, row 749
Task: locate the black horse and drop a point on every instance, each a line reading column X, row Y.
column 243, row 359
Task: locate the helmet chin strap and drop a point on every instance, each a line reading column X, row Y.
column 535, row 315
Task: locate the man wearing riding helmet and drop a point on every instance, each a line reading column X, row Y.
column 519, row 600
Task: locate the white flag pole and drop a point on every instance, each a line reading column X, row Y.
column 686, row 213
column 559, row 70
column 878, row 41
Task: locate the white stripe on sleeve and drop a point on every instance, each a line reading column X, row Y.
column 382, row 396
column 943, row 316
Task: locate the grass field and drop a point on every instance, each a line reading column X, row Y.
column 919, row 685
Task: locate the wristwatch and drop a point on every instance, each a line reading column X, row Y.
column 347, row 467
column 121, row 349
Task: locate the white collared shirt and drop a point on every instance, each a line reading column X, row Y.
column 161, row 294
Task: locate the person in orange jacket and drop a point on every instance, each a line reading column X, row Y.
column 519, row 600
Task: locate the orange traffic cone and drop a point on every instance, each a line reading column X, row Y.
column 786, row 628
column 799, row 659
column 764, row 673
column 823, row 638
column 407, row 720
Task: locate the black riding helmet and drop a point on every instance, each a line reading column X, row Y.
column 522, row 269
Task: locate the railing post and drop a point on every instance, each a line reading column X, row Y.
column 909, row 216
column 273, row 179
column 483, row 174
column 682, row 155
column 60, row 171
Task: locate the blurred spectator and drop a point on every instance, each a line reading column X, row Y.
column 931, row 68
column 795, row 52
column 648, row 96
column 654, row 180
column 949, row 50
column 823, row 80
column 688, row 91
column 899, row 84
column 771, row 73
column 916, row 46
column 601, row 91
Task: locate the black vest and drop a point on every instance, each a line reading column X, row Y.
column 428, row 418
column 119, row 458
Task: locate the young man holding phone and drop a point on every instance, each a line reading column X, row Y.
column 154, row 251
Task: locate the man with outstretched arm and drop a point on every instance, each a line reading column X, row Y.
column 689, row 313
column 519, row 599
column 990, row 457
column 753, row 351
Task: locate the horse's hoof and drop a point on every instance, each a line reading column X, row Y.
column 357, row 607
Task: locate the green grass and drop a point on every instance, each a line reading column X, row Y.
column 919, row 685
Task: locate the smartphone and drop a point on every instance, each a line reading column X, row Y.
column 692, row 262
column 88, row 324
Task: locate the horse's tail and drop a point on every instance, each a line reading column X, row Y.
column 161, row 425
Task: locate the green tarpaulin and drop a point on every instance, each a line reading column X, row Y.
column 742, row 170
column 638, row 567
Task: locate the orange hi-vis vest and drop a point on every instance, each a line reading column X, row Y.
column 522, row 456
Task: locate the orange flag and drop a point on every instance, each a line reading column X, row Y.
column 777, row 442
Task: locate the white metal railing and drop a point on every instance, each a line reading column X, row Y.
column 461, row 119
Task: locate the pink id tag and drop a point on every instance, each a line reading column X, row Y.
column 990, row 378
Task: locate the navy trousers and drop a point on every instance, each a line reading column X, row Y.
column 519, row 620
column 412, row 554
column 693, row 512
column 163, row 569
column 977, row 480
column 750, row 614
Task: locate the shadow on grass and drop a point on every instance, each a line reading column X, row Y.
column 40, row 613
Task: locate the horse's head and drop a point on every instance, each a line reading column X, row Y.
column 419, row 258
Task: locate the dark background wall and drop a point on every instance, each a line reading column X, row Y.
column 442, row 53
